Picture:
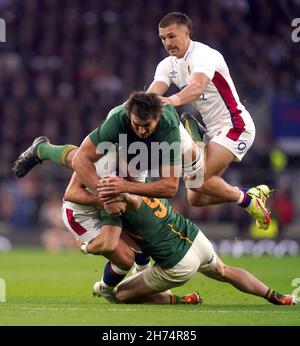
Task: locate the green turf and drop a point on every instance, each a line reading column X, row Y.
column 49, row 289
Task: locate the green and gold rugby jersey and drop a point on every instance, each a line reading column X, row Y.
column 161, row 232
column 118, row 123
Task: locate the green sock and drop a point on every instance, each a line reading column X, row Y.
column 174, row 299
column 56, row 153
column 180, row 299
column 273, row 296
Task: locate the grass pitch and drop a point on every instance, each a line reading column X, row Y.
column 55, row 289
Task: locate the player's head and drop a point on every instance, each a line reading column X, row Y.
column 144, row 111
column 175, row 30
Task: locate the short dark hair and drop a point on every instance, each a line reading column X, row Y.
column 143, row 105
column 176, row 18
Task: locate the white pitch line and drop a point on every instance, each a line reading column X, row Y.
column 107, row 308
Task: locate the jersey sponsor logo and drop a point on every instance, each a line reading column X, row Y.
column 97, row 225
column 242, row 146
column 173, row 74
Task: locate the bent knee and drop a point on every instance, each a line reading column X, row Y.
column 222, row 271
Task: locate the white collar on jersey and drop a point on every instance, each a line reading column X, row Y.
column 188, row 52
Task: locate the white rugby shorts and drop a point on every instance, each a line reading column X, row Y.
column 81, row 220
column 235, row 141
column 200, row 256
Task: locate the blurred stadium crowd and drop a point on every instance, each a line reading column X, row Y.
column 67, row 63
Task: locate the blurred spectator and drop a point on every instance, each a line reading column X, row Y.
column 282, row 207
column 19, row 203
column 278, row 160
column 55, row 236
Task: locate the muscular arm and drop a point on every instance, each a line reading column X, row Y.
column 77, row 193
column 83, row 164
column 191, row 92
column 166, row 187
column 163, row 188
column 158, row 87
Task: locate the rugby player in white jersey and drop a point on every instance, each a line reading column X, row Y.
column 203, row 78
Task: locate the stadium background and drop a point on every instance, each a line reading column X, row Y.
column 65, row 64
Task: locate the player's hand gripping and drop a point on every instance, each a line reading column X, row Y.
column 165, row 101
column 110, row 187
column 172, row 100
column 115, row 208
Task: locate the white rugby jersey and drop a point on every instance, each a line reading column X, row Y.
column 219, row 105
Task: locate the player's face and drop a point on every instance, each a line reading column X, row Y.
column 141, row 128
column 176, row 39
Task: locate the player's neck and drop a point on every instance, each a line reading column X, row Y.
column 183, row 54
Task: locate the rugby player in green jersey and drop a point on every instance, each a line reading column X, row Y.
column 179, row 250
column 83, row 219
column 140, row 122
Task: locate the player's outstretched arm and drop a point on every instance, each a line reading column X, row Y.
column 158, row 87
column 190, row 93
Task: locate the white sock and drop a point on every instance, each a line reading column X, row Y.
column 118, row 270
column 83, row 248
column 241, row 198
